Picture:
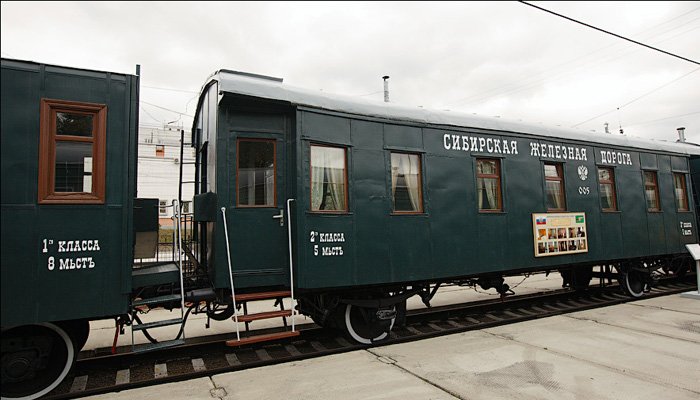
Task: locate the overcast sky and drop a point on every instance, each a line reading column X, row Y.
column 494, row 58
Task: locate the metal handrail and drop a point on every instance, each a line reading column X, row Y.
column 291, row 262
column 176, row 208
column 230, row 274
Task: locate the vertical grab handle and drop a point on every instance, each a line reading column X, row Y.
column 178, row 220
column 291, row 262
column 230, row 274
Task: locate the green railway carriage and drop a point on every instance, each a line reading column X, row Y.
column 386, row 196
column 68, row 183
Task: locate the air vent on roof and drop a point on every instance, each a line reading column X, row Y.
column 256, row 76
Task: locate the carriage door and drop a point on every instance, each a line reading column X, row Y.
column 259, row 221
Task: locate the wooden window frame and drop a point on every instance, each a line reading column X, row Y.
column 421, row 209
column 559, row 178
column 47, row 151
column 274, row 159
column 311, row 182
column 611, row 182
column 685, row 206
column 656, row 190
column 496, row 176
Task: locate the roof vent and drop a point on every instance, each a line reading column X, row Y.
column 386, row 88
column 681, row 134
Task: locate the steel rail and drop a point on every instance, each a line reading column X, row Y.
column 101, row 374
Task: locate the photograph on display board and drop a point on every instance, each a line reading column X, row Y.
column 559, row 233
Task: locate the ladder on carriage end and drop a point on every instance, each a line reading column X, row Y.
column 169, row 273
column 278, row 296
column 247, row 318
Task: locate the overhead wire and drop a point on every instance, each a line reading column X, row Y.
column 149, row 114
column 544, row 75
column 166, row 109
column 169, row 89
column 638, row 98
column 611, row 33
column 663, row 119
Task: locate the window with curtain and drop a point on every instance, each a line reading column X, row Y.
column 72, row 152
column 554, row 184
column 606, row 184
column 406, row 183
column 256, row 173
column 488, row 184
column 651, row 191
column 681, row 192
column 328, row 179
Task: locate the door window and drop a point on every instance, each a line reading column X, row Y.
column 256, row 173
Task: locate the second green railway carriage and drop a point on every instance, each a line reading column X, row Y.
column 372, row 202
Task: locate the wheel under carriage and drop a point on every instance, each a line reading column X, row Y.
column 36, row 358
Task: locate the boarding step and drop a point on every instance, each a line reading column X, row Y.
column 241, row 298
column 157, row 300
column 263, row 315
column 156, row 324
column 261, row 338
column 142, row 348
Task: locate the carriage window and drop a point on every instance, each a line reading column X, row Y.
column 681, row 192
column 72, row 152
column 651, row 191
column 256, row 173
column 488, row 185
column 163, row 208
column 554, row 181
column 406, row 183
column 606, row 183
column 328, row 179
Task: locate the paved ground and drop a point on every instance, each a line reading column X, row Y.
column 648, row 349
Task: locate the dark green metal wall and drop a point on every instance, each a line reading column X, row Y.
column 451, row 238
column 31, row 292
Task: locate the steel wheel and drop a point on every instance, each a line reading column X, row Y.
column 362, row 325
column 634, row 282
column 35, row 359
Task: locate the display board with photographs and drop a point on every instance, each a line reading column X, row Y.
column 559, row 233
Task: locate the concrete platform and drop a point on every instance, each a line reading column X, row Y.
column 649, row 349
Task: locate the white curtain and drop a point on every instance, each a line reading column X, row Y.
column 247, row 177
column 328, row 178
column 406, row 166
column 554, row 192
column 270, row 185
column 488, row 188
column 411, row 173
column 336, row 188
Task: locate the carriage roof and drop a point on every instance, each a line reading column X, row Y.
column 274, row 89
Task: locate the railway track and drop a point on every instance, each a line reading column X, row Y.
column 208, row 356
